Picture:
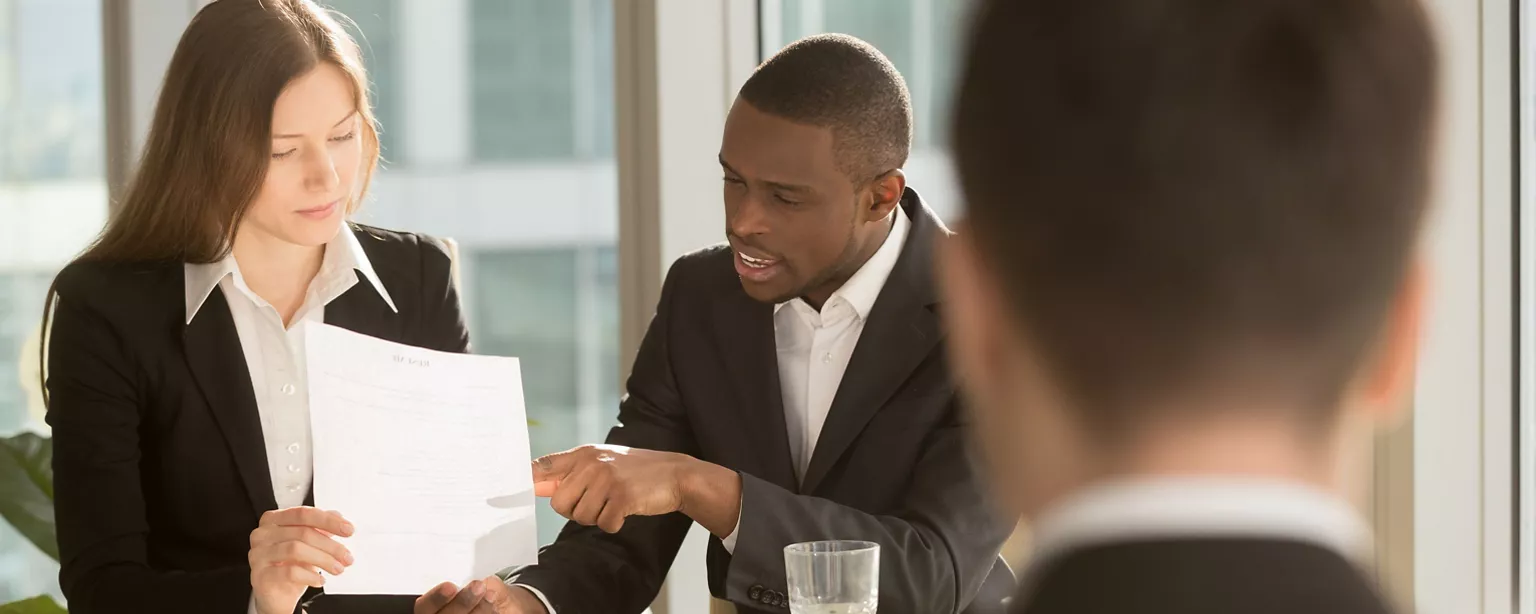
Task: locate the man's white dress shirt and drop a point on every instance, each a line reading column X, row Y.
column 814, row 348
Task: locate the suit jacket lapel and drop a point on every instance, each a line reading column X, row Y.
column 218, row 365
column 745, row 330
column 360, row 309
column 900, row 334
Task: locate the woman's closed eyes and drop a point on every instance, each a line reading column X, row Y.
column 335, row 139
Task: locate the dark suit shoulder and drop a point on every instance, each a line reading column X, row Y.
column 121, row 286
column 396, row 245
column 1199, row 576
column 405, row 257
column 710, row 267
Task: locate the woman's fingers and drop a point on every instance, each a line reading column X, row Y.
column 328, row 521
column 296, row 553
column 269, row 536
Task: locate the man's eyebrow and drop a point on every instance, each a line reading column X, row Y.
column 725, row 164
column 787, row 187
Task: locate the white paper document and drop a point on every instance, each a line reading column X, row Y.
column 426, row 453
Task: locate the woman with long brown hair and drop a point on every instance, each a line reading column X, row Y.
column 175, row 376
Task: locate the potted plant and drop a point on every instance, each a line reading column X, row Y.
column 26, row 501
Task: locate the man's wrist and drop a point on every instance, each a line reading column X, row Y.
column 711, row 496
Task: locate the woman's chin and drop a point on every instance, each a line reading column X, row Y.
column 313, row 233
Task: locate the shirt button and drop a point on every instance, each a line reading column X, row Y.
column 827, row 359
column 288, row 389
column 293, row 468
column 293, row 488
column 293, row 448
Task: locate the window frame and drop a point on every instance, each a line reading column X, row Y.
column 1464, row 511
column 1524, row 29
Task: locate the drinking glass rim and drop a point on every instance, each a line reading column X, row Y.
column 851, row 547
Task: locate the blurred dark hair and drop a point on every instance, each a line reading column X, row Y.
column 1197, row 197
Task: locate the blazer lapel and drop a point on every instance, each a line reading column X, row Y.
column 218, row 365
column 900, row 334
column 361, row 310
column 745, row 329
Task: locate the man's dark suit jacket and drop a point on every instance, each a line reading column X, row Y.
column 1200, row 576
column 159, row 466
column 890, row 465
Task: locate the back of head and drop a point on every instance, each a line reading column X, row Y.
column 209, row 144
column 1197, row 198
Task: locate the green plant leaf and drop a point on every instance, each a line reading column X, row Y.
column 26, row 489
column 36, row 605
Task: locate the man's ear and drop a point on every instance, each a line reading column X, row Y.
column 885, row 191
column 1389, row 384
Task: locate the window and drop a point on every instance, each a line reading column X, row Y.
column 564, row 298
column 524, row 79
column 922, row 38
column 542, row 79
column 502, row 112
column 53, row 199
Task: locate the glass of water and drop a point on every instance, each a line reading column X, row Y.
column 833, row 577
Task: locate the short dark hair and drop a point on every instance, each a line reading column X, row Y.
column 840, row 82
column 1197, row 197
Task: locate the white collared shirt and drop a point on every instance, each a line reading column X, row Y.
column 814, row 348
column 274, row 353
column 1196, row 507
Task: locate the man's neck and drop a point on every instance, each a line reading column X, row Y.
column 1239, row 447
column 819, row 295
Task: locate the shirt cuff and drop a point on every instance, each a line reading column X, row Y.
column 730, row 540
column 540, row 594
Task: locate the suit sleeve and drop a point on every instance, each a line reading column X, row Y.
column 442, row 324
column 94, row 388
column 936, row 550
column 589, row 571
